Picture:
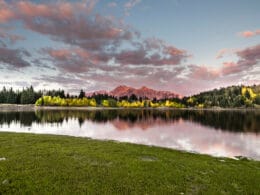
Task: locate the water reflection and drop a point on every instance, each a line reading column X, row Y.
column 225, row 133
column 238, row 121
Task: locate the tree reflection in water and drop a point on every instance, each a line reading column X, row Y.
column 236, row 121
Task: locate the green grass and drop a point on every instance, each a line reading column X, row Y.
column 44, row 164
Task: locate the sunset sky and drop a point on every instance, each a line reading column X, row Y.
column 183, row 46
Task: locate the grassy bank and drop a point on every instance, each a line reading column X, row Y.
column 46, row 163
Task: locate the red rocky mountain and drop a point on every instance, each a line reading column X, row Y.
column 143, row 92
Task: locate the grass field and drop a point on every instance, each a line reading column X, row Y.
column 44, row 164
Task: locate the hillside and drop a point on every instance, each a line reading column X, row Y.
column 233, row 96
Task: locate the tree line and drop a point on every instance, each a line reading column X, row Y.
column 229, row 97
column 108, row 101
column 233, row 96
column 27, row 95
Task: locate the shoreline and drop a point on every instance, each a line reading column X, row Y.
column 32, row 107
column 237, row 158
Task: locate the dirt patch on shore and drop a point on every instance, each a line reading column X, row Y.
column 16, row 107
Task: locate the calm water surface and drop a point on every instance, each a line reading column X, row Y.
column 218, row 133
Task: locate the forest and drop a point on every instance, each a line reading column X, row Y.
column 234, row 96
column 229, row 97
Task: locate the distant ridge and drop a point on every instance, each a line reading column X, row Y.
column 143, row 92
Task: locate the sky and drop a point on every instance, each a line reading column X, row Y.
column 182, row 46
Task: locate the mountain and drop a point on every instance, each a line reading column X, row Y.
column 143, row 92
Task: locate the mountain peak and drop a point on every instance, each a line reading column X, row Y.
column 120, row 90
column 144, row 92
column 144, row 88
column 122, row 87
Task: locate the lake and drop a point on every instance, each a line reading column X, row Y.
column 218, row 133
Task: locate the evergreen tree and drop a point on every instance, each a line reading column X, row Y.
column 247, row 94
column 81, row 94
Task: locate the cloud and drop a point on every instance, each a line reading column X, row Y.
column 248, row 33
column 65, row 80
column 130, row 4
column 5, row 12
column 225, row 52
column 10, row 38
column 152, row 51
column 155, row 54
column 136, row 76
column 78, row 60
column 14, row 58
column 2, row 43
column 112, row 4
column 70, row 23
column 70, row 83
column 60, row 9
column 230, row 68
column 203, row 73
column 250, row 53
column 248, row 58
column 75, row 60
column 221, row 53
column 95, row 39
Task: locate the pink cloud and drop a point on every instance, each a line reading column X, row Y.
column 203, row 73
column 76, row 60
column 5, row 12
column 250, row 53
column 62, row 10
column 61, row 54
column 249, row 57
column 68, row 22
column 230, row 68
column 32, row 10
column 225, row 52
column 5, row 15
column 99, row 36
column 156, row 52
column 221, row 53
column 248, row 33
